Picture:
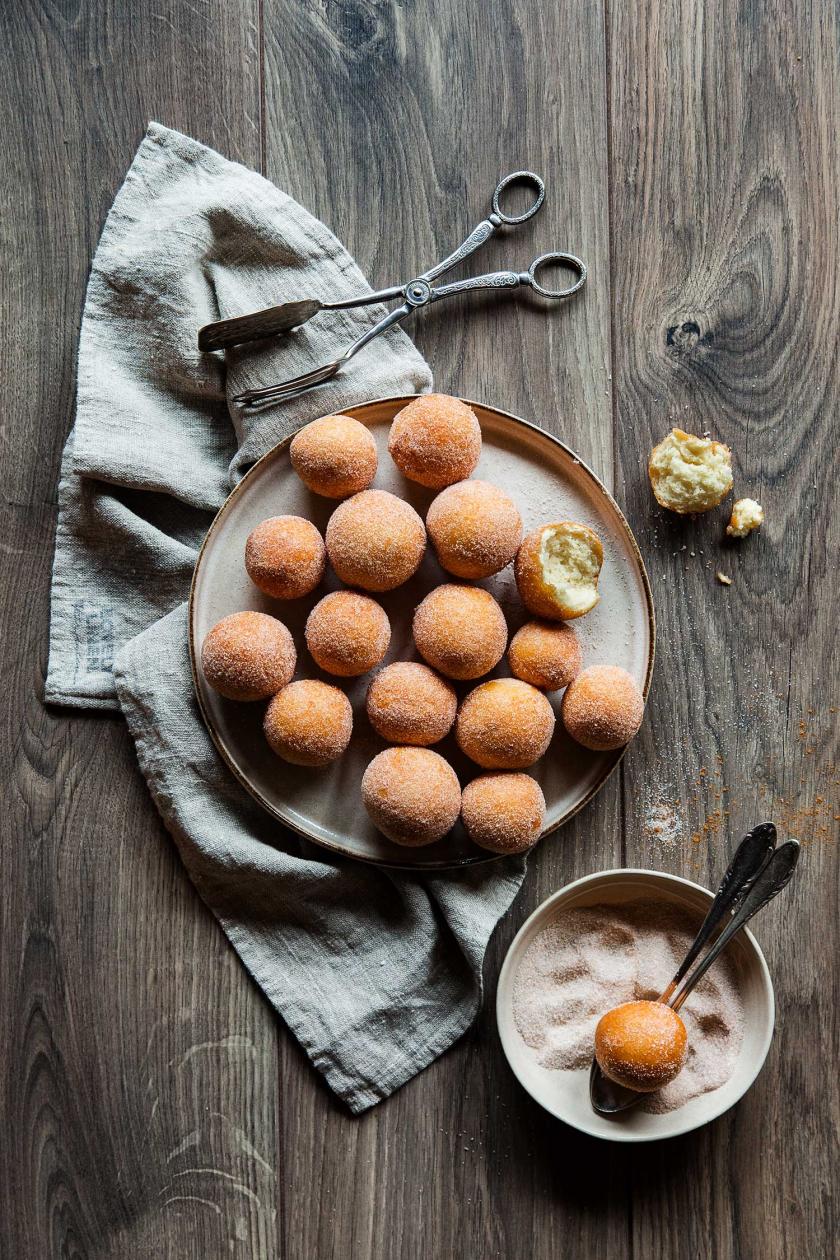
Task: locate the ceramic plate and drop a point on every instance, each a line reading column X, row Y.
column 548, row 483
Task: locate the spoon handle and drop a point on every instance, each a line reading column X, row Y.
column 769, row 882
column 748, row 859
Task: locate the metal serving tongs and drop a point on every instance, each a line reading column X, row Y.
column 418, row 292
column 757, row 873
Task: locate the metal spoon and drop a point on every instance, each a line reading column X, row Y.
column 755, row 876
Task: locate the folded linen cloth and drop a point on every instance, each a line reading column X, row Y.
column 375, row 972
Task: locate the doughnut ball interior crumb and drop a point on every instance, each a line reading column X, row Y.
column 435, row 440
column 412, row 795
column 460, row 630
column 641, row 1045
column 375, row 541
column 746, row 516
column 557, row 569
column 248, row 656
column 545, row 654
column 475, row 529
column 503, row 812
column 408, row 703
column 334, row 456
column 603, row 708
column 285, row 557
column 347, row 633
column 504, row 724
column 309, row 723
column 688, row 473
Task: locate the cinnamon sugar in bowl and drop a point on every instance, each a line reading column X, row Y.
column 605, row 939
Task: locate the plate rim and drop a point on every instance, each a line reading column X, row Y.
column 482, row 857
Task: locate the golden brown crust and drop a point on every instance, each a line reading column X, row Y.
column 475, row 529
column 435, row 440
column 641, row 1045
column 309, row 723
column 285, row 557
column 536, row 594
column 408, row 703
column 347, row 634
column 546, row 654
column 603, row 708
column 248, row 656
column 460, row 630
column 375, row 541
column 504, row 724
column 503, row 812
column 412, row 795
column 334, row 456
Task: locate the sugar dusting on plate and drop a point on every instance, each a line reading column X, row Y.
column 591, row 958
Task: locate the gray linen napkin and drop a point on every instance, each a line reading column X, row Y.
column 375, row 973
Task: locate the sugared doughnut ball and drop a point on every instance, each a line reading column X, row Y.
column 545, row 654
column 334, row 456
column 408, row 703
column 475, row 529
column 375, row 541
column 347, row 633
column 557, row 569
column 641, row 1045
column 309, row 723
column 435, row 440
column 460, row 630
column 505, row 724
column 248, row 656
column 503, row 812
column 603, row 708
column 285, row 557
column 412, row 795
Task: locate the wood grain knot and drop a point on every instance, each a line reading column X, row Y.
column 681, row 339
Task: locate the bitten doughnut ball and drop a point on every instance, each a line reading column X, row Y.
column 603, row 708
column 309, row 723
column 412, row 795
column 557, row 569
column 460, row 630
column 334, row 456
column 504, row 724
column 435, row 440
column 475, row 529
column 408, row 703
column 347, row 634
column 641, row 1045
column 248, row 656
column 689, row 473
column 545, row 654
column 503, row 812
column 285, row 557
column 375, row 541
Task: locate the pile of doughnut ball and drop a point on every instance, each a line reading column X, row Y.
column 374, row 542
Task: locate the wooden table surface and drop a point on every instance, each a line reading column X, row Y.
column 152, row 1105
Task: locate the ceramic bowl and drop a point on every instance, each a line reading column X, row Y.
column 565, row 1094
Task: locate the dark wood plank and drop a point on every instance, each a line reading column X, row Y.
column 139, row 1103
column 393, row 124
column 724, row 211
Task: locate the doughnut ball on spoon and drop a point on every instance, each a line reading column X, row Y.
column 408, row 703
column 545, row 654
column 285, row 557
column 375, row 541
column 309, row 723
column 460, row 630
column 603, row 708
column 435, row 440
column 475, row 529
column 641, row 1045
column 248, row 656
column 334, row 456
column 412, row 795
column 504, row 724
column 347, row 633
column 503, row 812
